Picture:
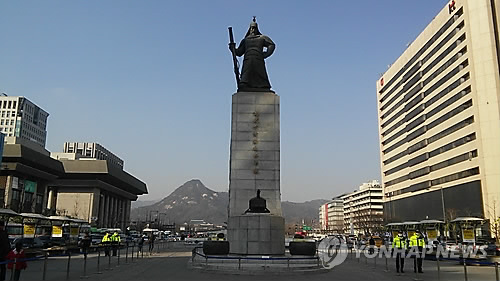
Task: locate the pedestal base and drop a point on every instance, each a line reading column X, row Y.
column 256, row 234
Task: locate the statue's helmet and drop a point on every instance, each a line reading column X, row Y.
column 253, row 24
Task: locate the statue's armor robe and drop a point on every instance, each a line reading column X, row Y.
column 253, row 73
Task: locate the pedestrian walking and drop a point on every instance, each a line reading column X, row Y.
column 17, row 253
column 4, row 249
column 371, row 242
column 152, row 239
column 141, row 243
column 85, row 244
column 399, row 248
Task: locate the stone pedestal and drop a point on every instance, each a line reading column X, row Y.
column 255, row 164
column 256, row 234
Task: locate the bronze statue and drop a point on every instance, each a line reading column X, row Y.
column 257, row 204
column 255, row 47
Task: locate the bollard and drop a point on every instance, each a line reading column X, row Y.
column 45, row 265
column 99, row 261
column 239, row 263
column 133, row 246
column 496, row 271
column 126, row 254
column 465, row 270
column 386, row 265
column 67, row 267
column 84, row 267
column 142, row 253
column 438, row 268
column 109, row 261
column 118, row 255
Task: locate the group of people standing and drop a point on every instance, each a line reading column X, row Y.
column 111, row 242
column 401, row 245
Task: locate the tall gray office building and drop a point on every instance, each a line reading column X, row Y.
column 439, row 118
column 20, row 118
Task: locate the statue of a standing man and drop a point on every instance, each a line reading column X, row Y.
column 255, row 47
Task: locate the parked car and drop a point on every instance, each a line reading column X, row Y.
column 46, row 241
column 453, row 248
column 490, row 247
column 28, row 243
column 378, row 241
column 96, row 238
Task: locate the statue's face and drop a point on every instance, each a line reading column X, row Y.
column 252, row 30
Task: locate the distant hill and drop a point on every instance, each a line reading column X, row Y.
column 140, row 203
column 193, row 200
column 298, row 212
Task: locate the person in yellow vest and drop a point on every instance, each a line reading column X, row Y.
column 106, row 240
column 417, row 243
column 399, row 247
column 115, row 241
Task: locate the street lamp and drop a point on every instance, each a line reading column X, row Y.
column 442, row 203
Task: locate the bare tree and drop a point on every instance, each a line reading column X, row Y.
column 451, row 214
column 494, row 220
column 76, row 208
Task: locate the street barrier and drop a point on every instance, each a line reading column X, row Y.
column 47, row 257
column 240, row 259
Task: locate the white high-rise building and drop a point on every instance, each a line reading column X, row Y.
column 439, row 118
column 20, row 118
column 364, row 209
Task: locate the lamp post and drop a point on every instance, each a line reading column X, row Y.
column 442, row 203
column 444, row 212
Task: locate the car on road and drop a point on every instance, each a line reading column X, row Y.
column 490, row 247
column 28, row 243
column 46, row 241
column 452, row 248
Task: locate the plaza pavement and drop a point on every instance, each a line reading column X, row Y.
column 172, row 264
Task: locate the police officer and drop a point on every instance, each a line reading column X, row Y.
column 115, row 241
column 399, row 247
column 417, row 243
column 106, row 240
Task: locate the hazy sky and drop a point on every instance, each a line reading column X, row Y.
column 152, row 82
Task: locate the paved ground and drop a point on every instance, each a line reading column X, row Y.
column 172, row 264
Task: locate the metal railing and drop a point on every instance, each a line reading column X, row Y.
column 127, row 252
column 290, row 260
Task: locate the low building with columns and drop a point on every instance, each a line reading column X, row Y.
column 96, row 191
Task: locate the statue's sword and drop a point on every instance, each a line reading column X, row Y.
column 232, row 45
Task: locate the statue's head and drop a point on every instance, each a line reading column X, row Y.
column 253, row 29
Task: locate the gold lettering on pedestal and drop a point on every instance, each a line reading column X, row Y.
column 255, row 141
